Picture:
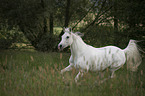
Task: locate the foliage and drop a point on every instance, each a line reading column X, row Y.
column 37, row 18
column 47, row 43
column 132, row 13
column 37, row 73
column 99, row 36
column 9, row 36
column 130, row 16
column 77, row 8
column 32, row 17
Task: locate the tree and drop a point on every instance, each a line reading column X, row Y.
column 74, row 11
column 32, row 18
column 130, row 18
column 37, row 18
column 101, row 13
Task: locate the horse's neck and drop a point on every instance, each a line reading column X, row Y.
column 78, row 46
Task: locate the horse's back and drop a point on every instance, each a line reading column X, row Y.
column 114, row 56
column 107, row 56
column 97, row 59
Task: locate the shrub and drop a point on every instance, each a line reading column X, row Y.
column 47, row 43
column 9, row 35
column 99, row 36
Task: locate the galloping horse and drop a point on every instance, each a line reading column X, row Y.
column 88, row 58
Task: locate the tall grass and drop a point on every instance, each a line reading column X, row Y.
column 27, row 73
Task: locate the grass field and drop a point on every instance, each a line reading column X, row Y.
column 32, row 73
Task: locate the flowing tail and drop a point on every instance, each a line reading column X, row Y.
column 133, row 56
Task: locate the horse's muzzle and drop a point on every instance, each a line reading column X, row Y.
column 60, row 47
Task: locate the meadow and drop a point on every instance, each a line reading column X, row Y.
column 32, row 73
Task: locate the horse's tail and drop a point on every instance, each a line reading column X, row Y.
column 133, row 56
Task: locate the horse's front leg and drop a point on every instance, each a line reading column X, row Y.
column 77, row 77
column 68, row 68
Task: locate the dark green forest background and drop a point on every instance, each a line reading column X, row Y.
column 39, row 23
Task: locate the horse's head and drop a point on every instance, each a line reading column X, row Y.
column 66, row 39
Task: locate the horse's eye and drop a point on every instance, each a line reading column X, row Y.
column 67, row 37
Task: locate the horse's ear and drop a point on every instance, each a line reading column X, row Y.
column 70, row 29
column 80, row 34
column 63, row 29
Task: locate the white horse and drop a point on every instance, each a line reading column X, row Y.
column 87, row 58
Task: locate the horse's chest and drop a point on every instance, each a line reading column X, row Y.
column 84, row 63
column 80, row 63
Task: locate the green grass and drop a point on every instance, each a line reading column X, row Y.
column 32, row 73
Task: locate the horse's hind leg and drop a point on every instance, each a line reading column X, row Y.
column 78, row 75
column 112, row 71
column 110, row 76
column 101, row 75
column 104, row 80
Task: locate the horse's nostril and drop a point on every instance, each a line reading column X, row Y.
column 60, row 46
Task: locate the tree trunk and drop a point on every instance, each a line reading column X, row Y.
column 67, row 14
column 84, row 15
column 115, row 24
column 98, row 18
column 116, row 34
column 115, row 17
column 51, row 24
column 67, row 17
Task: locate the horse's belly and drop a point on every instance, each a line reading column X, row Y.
column 91, row 64
column 81, row 65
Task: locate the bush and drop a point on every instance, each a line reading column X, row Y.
column 47, row 43
column 9, row 35
column 99, row 36
column 5, row 44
